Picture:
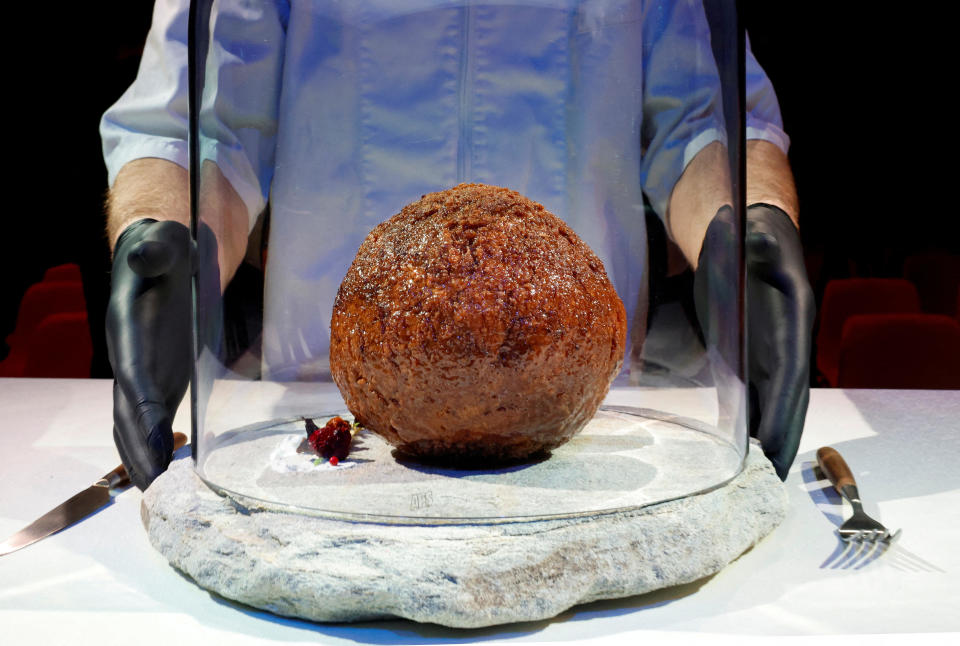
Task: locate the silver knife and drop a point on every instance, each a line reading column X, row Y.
column 77, row 508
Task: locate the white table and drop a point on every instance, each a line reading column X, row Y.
column 101, row 580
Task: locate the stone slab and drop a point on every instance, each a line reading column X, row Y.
column 469, row 575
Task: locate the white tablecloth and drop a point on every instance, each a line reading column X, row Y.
column 101, row 580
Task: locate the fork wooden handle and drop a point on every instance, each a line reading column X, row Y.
column 835, row 467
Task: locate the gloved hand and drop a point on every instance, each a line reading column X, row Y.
column 780, row 314
column 148, row 337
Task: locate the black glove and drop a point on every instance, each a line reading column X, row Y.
column 780, row 314
column 148, row 337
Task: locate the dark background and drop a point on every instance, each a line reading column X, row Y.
column 74, row 60
column 863, row 92
column 863, row 95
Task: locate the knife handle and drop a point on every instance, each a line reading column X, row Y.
column 119, row 476
column 835, row 468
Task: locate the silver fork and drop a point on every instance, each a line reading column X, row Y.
column 859, row 529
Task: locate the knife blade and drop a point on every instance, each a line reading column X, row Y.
column 76, row 508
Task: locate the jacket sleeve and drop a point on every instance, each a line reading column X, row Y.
column 239, row 101
column 763, row 109
column 682, row 102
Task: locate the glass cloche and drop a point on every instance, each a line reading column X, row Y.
column 314, row 122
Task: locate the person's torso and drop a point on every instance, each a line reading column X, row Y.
column 384, row 101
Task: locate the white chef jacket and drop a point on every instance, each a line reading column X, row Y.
column 340, row 112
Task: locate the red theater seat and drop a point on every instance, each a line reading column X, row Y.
column 851, row 296
column 900, row 351
column 67, row 273
column 60, row 347
column 40, row 301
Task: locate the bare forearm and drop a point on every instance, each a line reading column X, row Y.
column 769, row 178
column 147, row 188
column 704, row 187
column 159, row 189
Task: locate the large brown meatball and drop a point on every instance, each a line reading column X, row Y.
column 475, row 327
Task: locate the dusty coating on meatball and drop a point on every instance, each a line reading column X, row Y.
column 475, row 327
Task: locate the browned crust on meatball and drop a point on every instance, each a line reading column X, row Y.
column 475, row 326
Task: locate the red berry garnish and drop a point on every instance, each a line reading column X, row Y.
column 334, row 461
column 333, row 440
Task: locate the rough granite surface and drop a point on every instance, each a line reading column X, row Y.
column 454, row 575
